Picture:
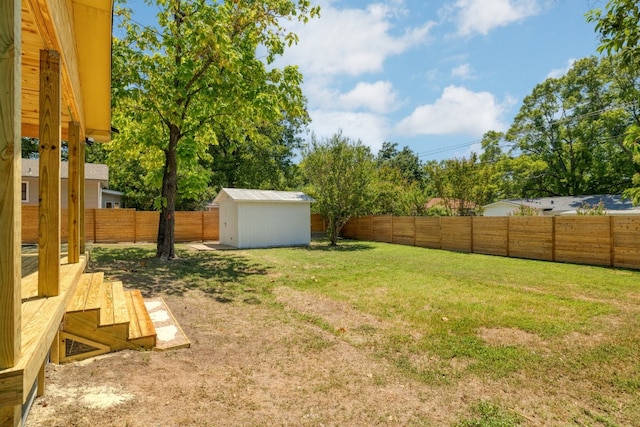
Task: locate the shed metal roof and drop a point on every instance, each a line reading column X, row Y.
column 248, row 195
column 92, row 171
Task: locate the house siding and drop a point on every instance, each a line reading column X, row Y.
column 91, row 193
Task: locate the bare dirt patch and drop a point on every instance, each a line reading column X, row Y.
column 248, row 365
column 265, row 364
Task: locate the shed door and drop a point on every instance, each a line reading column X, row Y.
column 228, row 223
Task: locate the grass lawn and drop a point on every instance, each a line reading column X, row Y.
column 542, row 343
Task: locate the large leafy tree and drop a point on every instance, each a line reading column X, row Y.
column 266, row 163
column 399, row 187
column 619, row 28
column 197, row 73
column 572, row 125
column 462, row 184
column 339, row 174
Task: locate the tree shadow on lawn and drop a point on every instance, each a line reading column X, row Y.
column 223, row 276
column 342, row 246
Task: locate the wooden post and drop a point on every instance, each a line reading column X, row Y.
column 10, row 196
column 81, row 196
column 73, row 186
column 10, row 189
column 40, row 391
column 55, row 349
column 49, row 194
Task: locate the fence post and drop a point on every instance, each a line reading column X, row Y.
column 553, row 238
column 612, row 241
column 508, row 237
column 471, row 230
column 414, row 230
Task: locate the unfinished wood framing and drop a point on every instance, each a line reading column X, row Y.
column 39, row 89
column 81, row 190
column 10, row 179
column 49, row 191
column 73, row 202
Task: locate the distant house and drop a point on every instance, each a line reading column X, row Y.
column 96, row 176
column 563, row 205
column 263, row 218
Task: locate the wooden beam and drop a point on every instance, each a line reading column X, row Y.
column 10, row 187
column 55, row 350
column 55, row 23
column 11, row 416
column 49, row 194
column 73, row 186
column 81, row 202
column 41, row 373
column 10, row 200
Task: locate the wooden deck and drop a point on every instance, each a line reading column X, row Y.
column 41, row 318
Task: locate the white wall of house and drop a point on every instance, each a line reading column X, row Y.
column 111, row 201
column 92, row 193
column 499, row 209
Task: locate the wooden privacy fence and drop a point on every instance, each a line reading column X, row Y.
column 594, row 240
column 128, row 225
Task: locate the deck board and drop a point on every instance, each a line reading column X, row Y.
column 40, row 321
column 94, row 295
column 120, row 313
column 106, row 308
column 134, row 325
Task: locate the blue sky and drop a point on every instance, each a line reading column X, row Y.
column 431, row 75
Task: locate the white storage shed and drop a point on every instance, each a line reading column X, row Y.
column 263, row 218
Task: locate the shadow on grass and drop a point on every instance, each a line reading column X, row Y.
column 223, row 276
column 343, row 246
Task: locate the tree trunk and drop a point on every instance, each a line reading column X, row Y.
column 166, row 228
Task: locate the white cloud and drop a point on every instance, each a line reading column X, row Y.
column 463, row 72
column 378, row 97
column 371, row 129
column 352, row 41
column 481, row 16
column 458, row 111
column 559, row 72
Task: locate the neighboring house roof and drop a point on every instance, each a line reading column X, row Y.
column 92, row 171
column 247, row 195
column 112, row 192
column 557, row 205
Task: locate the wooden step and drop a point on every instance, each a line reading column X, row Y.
column 141, row 325
column 113, row 309
column 88, row 293
column 120, row 312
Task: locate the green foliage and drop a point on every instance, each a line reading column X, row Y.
column 30, row 148
column 524, row 210
column 487, row 414
column 619, row 28
column 592, row 210
column 572, row 126
column 462, row 184
column 193, row 78
column 338, row 173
